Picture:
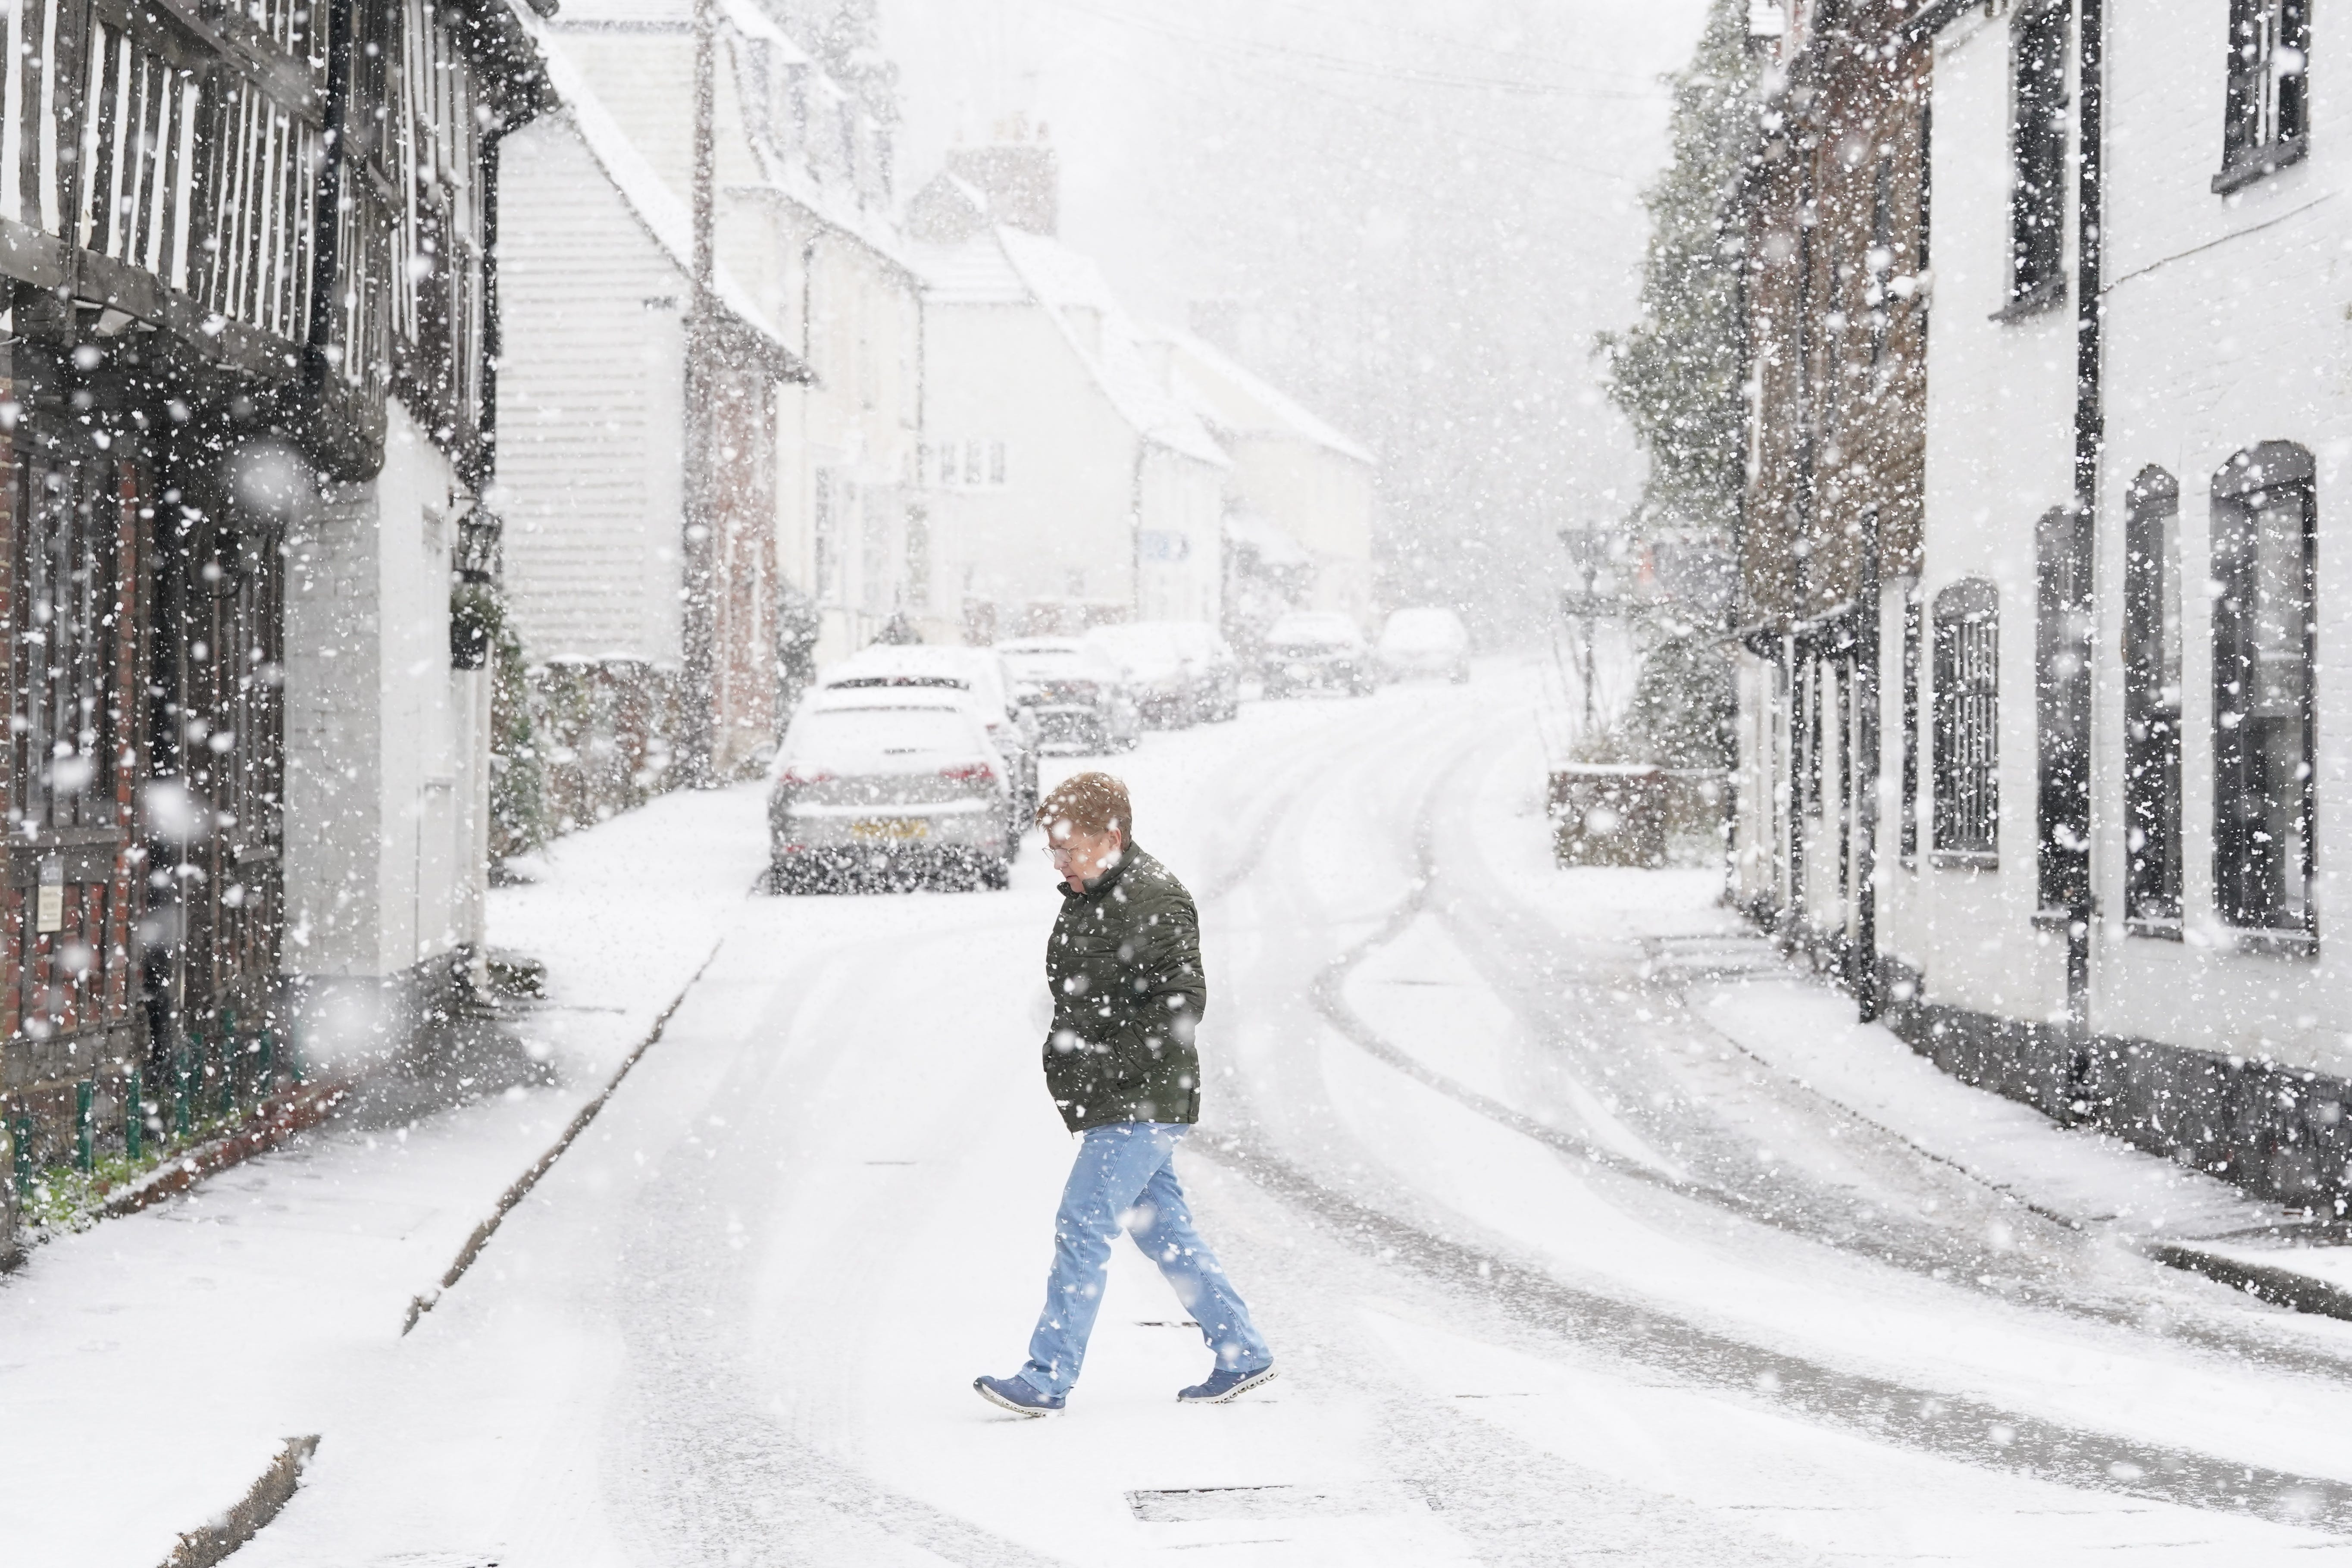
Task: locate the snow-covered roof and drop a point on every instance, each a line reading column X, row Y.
column 670, row 16
column 656, row 207
column 976, row 272
column 832, row 203
column 1273, row 545
column 1047, row 273
column 1237, row 403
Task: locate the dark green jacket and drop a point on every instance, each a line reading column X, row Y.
column 1124, row 963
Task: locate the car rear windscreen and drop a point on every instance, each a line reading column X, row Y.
column 880, row 735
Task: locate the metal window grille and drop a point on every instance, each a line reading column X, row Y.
column 2151, row 658
column 1967, row 686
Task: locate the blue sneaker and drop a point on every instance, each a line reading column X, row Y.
column 1017, row 1394
column 1224, row 1384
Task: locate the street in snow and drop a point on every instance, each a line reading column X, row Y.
column 1566, row 1240
column 1621, row 720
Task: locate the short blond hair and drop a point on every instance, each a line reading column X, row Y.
column 1090, row 804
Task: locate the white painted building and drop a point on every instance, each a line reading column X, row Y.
column 2116, row 687
column 1292, row 471
column 387, row 745
column 816, row 457
column 1070, row 479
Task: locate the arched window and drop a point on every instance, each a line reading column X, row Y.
column 2265, row 562
column 2152, row 703
column 2062, row 705
column 1968, row 722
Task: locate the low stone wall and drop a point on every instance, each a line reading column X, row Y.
column 2283, row 1133
column 2280, row 1132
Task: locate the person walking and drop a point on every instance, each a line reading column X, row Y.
column 1124, row 964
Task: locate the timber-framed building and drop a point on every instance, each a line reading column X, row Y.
column 250, row 311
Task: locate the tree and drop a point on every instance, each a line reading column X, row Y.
column 1678, row 372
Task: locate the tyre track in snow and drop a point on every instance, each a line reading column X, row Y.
column 733, row 1484
column 1978, row 1432
column 1519, row 957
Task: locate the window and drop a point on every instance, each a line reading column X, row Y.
column 918, row 560
column 970, row 465
column 2037, row 148
column 2264, row 565
column 2266, row 119
column 1814, row 679
column 2152, row 704
column 1914, row 618
column 2061, row 704
column 1968, row 722
column 826, row 539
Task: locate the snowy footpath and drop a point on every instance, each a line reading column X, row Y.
column 1582, row 1229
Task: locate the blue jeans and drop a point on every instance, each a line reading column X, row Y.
column 1125, row 1178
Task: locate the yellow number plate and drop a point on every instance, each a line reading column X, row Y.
column 889, row 829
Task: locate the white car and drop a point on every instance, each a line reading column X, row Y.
column 1216, row 669
column 1308, row 649
column 977, row 672
column 1077, row 693
column 1425, row 642
column 887, row 787
column 1158, row 677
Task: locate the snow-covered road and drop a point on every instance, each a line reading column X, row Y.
column 1577, row 1235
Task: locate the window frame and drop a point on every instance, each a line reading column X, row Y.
column 2039, row 128
column 2252, row 150
column 1964, row 686
column 2153, row 645
column 2241, row 489
column 2062, row 548
column 1914, row 638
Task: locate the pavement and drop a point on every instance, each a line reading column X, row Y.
column 1582, row 1229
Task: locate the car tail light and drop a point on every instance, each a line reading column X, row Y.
column 971, row 772
column 797, row 775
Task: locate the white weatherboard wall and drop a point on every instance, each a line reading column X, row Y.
column 591, row 388
column 387, row 746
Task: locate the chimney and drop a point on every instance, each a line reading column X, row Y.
column 1022, row 179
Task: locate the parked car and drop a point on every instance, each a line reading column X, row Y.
column 1158, row 674
column 1216, row 669
column 981, row 675
column 1425, row 642
column 1308, row 649
column 887, row 786
column 1076, row 691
